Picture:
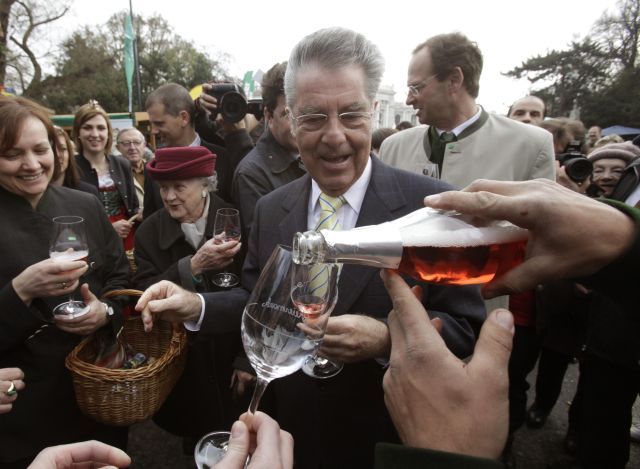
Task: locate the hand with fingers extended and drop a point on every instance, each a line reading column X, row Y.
column 437, row 401
column 214, row 255
column 11, row 382
column 83, row 454
column 569, row 234
column 48, row 278
column 260, row 437
column 166, row 300
column 93, row 320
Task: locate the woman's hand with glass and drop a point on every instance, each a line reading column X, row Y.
column 48, row 278
column 89, row 322
column 214, row 255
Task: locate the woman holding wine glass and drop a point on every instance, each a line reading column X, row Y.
column 108, row 173
column 32, row 285
column 178, row 243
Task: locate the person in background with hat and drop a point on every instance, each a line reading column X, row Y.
column 176, row 243
column 609, row 162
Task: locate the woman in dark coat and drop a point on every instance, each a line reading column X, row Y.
column 110, row 174
column 31, row 285
column 176, row 243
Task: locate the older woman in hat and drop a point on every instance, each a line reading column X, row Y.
column 609, row 162
column 31, row 285
column 176, row 243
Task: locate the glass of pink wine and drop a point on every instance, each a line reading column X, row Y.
column 69, row 243
column 314, row 292
column 226, row 228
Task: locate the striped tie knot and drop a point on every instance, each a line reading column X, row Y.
column 329, row 207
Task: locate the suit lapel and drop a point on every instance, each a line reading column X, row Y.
column 382, row 200
column 295, row 207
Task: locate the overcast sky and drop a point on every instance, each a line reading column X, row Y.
column 256, row 37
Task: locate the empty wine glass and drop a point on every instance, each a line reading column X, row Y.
column 273, row 339
column 69, row 243
column 226, row 228
column 314, row 292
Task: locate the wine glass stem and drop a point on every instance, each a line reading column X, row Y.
column 261, row 385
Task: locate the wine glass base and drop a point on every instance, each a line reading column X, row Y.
column 321, row 369
column 71, row 309
column 210, row 449
column 225, row 280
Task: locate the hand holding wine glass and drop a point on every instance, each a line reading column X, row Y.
column 69, row 243
column 226, row 228
column 273, row 340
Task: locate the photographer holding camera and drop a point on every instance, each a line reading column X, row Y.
column 274, row 160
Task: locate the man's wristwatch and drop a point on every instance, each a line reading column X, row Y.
column 109, row 310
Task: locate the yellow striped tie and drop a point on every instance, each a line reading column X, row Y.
column 328, row 220
column 329, row 207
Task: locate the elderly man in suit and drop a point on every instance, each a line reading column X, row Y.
column 330, row 84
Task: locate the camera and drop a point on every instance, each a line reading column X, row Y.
column 232, row 104
column 576, row 165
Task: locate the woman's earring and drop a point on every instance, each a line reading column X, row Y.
column 204, row 193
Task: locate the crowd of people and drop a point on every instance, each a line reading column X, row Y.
column 425, row 366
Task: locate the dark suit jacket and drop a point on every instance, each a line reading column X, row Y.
column 336, row 422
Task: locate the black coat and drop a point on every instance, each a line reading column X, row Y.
column 120, row 170
column 46, row 413
column 201, row 401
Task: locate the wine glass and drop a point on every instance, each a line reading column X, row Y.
column 274, row 338
column 69, row 243
column 314, row 292
column 226, row 228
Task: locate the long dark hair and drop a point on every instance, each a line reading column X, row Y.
column 71, row 174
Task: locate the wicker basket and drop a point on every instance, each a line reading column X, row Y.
column 122, row 397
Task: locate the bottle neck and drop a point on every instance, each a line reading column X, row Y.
column 377, row 246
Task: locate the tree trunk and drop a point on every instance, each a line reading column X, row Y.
column 5, row 12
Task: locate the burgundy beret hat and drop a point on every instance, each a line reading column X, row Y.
column 176, row 163
column 626, row 152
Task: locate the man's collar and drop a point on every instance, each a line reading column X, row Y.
column 459, row 129
column 355, row 193
column 197, row 141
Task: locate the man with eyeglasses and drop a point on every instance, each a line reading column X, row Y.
column 132, row 145
column 461, row 141
column 330, row 84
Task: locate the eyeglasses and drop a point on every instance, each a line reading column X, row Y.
column 126, row 143
column 349, row 120
column 414, row 90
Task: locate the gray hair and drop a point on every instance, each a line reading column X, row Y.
column 335, row 48
column 130, row 129
column 210, row 183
